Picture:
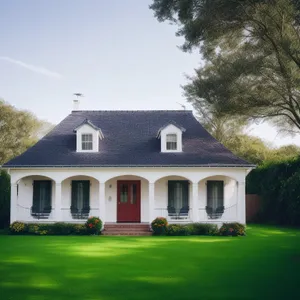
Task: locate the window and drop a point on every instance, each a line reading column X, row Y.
column 80, row 201
column 41, row 203
column 87, row 141
column 171, row 142
column 215, row 199
column 178, row 199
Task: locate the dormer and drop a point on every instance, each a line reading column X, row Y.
column 87, row 137
column 171, row 137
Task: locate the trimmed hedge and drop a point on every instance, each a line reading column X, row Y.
column 278, row 185
column 59, row 228
column 232, row 229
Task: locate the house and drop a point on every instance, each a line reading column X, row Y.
column 128, row 167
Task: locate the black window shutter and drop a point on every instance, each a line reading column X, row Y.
column 209, row 193
column 220, row 193
column 36, row 197
column 185, row 193
column 74, row 193
column 48, row 187
column 171, row 187
column 86, row 194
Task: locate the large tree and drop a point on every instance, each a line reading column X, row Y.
column 251, row 50
column 18, row 131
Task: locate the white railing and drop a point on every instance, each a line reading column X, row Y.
column 229, row 215
column 24, row 214
column 173, row 217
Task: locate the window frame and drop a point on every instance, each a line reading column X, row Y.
column 40, row 207
column 215, row 210
column 181, row 211
column 80, row 210
column 87, row 142
column 172, row 142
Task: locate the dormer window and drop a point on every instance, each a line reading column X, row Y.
column 87, row 141
column 171, row 142
column 88, row 137
column 170, row 136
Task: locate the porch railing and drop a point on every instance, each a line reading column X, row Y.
column 229, row 214
column 176, row 215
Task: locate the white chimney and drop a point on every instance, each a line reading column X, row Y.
column 76, row 103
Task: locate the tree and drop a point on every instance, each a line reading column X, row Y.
column 251, row 50
column 18, row 131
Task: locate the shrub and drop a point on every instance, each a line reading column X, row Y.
column 93, row 225
column 178, row 230
column 80, row 229
column 203, row 229
column 18, row 228
column 232, row 229
column 61, row 228
column 159, row 226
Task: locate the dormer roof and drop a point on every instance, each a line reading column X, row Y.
column 168, row 124
column 88, row 122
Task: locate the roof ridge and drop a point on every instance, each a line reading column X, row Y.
column 134, row 110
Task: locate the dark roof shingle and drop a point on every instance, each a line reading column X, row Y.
column 129, row 140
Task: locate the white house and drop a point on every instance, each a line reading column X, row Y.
column 128, row 167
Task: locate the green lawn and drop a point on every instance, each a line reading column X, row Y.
column 263, row 265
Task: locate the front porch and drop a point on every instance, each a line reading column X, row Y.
column 214, row 197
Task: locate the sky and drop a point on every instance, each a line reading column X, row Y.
column 114, row 52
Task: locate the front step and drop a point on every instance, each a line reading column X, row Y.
column 126, row 229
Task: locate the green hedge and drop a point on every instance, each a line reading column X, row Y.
column 59, row 228
column 234, row 229
column 278, row 184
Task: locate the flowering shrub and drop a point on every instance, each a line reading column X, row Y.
column 159, row 226
column 232, row 229
column 93, row 225
column 18, row 228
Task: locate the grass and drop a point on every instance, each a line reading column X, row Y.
column 263, row 265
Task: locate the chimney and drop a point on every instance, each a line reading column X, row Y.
column 76, row 103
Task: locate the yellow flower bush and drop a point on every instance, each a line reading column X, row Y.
column 18, row 228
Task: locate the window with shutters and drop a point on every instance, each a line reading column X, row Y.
column 80, row 199
column 171, row 140
column 41, row 203
column 178, row 199
column 87, row 141
column 215, row 199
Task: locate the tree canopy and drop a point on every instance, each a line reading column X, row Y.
column 251, row 50
column 18, row 131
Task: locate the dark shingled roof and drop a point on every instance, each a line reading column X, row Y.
column 130, row 139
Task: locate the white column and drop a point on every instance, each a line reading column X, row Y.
column 102, row 200
column 151, row 201
column 241, row 202
column 57, row 204
column 195, row 202
column 13, row 203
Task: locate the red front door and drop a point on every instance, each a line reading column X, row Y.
column 129, row 201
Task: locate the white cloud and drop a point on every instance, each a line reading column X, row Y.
column 36, row 69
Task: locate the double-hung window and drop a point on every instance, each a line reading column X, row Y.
column 80, row 199
column 87, row 141
column 171, row 141
column 41, row 204
column 215, row 199
column 178, row 198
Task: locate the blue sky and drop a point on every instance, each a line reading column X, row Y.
column 114, row 52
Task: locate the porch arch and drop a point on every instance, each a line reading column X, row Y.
column 216, row 206
column 83, row 203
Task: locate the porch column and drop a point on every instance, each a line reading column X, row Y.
column 57, row 204
column 195, row 202
column 151, row 201
column 102, row 201
column 241, row 202
column 13, row 202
